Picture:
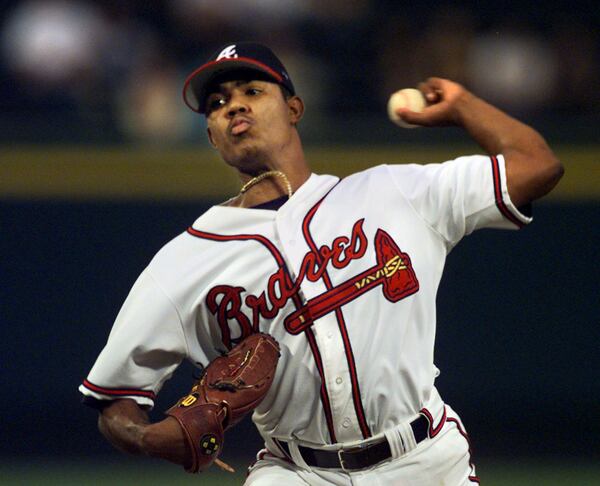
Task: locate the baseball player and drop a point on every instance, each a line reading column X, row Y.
column 343, row 273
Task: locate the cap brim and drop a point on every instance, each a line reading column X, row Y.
column 194, row 88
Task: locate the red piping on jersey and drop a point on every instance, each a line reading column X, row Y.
column 324, row 395
column 472, row 478
column 286, row 456
column 297, row 302
column 261, row 455
column 500, row 204
column 358, row 406
column 433, row 430
column 119, row 391
column 260, row 238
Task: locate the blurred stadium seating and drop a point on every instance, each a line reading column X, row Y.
column 101, row 164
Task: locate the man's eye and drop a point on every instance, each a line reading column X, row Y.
column 252, row 91
column 215, row 103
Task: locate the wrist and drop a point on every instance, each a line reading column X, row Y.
column 152, row 440
column 464, row 107
column 165, row 440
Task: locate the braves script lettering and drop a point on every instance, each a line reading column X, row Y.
column 230, row 308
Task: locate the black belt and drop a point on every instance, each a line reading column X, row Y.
column 357, row 457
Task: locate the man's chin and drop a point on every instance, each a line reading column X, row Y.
column 247, row 159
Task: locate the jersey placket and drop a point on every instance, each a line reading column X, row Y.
column 326, row 331
column 337, row 374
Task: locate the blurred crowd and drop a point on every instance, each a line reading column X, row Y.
column 113, row 70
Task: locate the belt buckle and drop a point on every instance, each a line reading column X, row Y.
column 341, row 459
column 350, row 450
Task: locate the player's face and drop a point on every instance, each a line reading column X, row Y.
column 249, row 121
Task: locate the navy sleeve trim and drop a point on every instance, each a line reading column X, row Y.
column 500, row 204
column 119, row 392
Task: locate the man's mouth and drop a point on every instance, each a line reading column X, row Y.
column 239, row 126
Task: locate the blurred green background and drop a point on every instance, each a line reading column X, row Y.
column 513, row 473
column 101, row 164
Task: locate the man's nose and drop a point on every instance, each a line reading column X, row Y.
column 236, row 106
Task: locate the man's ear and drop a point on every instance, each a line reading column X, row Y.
column 210, row 138
column 295, row 109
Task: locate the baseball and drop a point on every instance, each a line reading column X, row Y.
column 409, row 98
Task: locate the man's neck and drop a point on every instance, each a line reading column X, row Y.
column 270, row 188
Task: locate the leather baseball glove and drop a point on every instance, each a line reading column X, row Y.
column 230, row 387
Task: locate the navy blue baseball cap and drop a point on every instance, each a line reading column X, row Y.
column 241, row 56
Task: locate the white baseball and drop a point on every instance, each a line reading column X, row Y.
column 409, row 98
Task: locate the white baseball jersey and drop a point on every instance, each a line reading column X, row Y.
column 344, row 275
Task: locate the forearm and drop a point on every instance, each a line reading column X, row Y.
column 531, row 167
column 495, row 131
column 123, row 424
column 126, row 426
column 532, row 170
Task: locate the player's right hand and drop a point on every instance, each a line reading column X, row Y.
column 445, row 104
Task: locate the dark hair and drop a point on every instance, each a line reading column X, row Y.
column 285, row 92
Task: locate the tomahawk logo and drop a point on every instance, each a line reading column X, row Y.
column 228, row 53
column 393, row 271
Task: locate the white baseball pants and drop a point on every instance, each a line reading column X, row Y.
column 443, row 460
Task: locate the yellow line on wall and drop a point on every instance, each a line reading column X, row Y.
column 196, row 173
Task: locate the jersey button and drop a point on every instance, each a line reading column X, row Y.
column 346, row 423
column 339, row 380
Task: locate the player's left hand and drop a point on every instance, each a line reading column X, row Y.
column 232, row 386
column 445, row 104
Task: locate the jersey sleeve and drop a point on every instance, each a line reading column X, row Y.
column 459, row 196
column 145, row 346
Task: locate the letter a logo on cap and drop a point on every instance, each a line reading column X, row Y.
column 228, row 52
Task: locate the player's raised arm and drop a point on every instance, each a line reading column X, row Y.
column 532, row 169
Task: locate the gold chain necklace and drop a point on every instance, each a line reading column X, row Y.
column 264, row 175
